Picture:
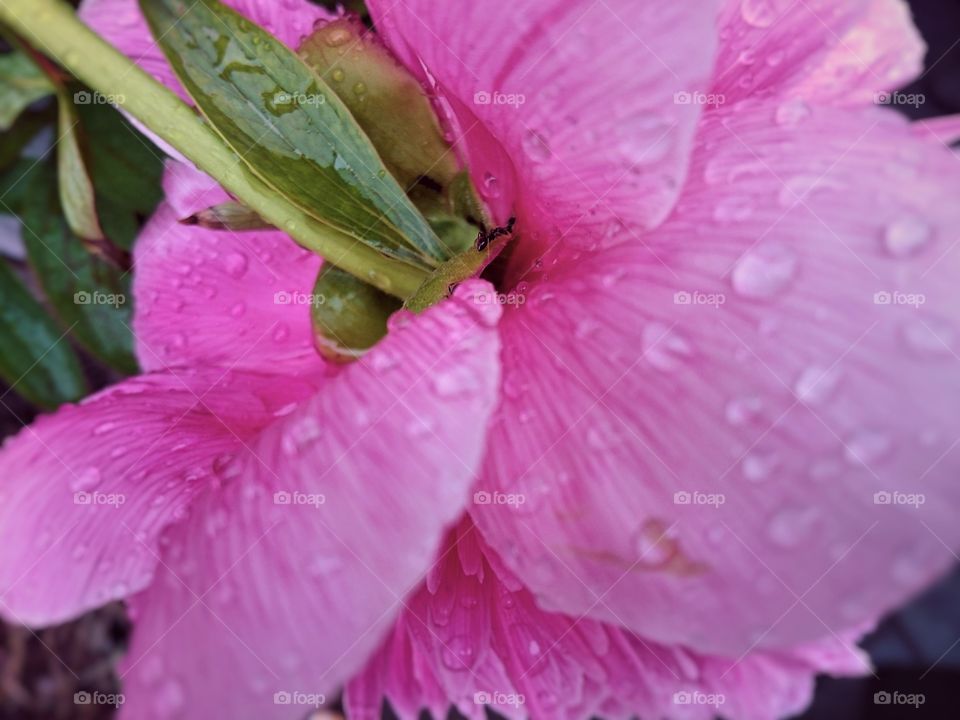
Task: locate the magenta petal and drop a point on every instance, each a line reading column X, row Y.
column 477, row 637
column 237, row 300
column 88, row 490
column 586, row 99
column 789, row 339
column 287, row 577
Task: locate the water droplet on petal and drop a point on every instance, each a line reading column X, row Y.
column 765, row 271
column 536, row 146
column 817, row 384
column 300, row 434
column 236, row 265
column 87, row 480
column 741, row 411
column 757, row 467
column 792, row 112
column 458, row 654
column 759, row 13
column 907, row 236
column 790, row 527
column 867, row 447
column 664, row 348
column 491, row 185
column 929, row 337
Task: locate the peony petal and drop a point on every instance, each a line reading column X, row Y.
column 565, row 107
column 287, row 577
column 881, row 52
column 477, row 638
column 218, row 297
column 789, row 339
column 828, row 51
column 85, row 499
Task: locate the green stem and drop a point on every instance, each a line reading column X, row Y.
column 52, row 27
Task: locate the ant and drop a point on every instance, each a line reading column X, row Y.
column 485, row 237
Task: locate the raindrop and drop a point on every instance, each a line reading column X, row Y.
column 491, row 185
column 236, row 265
column 867, row 447
column 664, row 348
column 741, row 411
column 790, row 527
column 759, row 13
column 816, row 384
column 764, row 271
column 536, row 146
column 907, row 236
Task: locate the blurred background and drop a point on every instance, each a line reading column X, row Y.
column 915, row 651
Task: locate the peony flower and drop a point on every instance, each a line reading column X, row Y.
column 710, row 441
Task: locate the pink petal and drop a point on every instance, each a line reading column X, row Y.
column 582, row 114
column 239, row 300
column 475, row 636
column 830, row 48
column 88, row 491
column 287, row 577
column 767, row 343
column 881, row 52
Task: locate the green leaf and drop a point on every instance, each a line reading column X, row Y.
column 36, row 359
column 349, row 316
column 21, row 84
column 89, row 294
column 387, row 101
column 288, row 126
column 76, row 188
column 127, row 172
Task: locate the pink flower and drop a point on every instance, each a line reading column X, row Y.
column 713, row 445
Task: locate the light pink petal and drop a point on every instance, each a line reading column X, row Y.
column 837, row 52
column 238, row 300
column 790, row 339
column 582, row 117
column 87, row 491
column 475, row 636
column 880, row 53
column 287, row 577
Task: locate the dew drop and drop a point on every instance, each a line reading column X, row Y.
column 741, row 411
column 664, row 348
column 764, row 272
column 300, row 434
column 757, row 467
column 792, row 112
column 929, row 337
column 236, row 265
column 491, row 185
column 790, row 527
column 87, row 480
column 759, row 13
column 907, row 236
column 816, row 384
column 536, row 146
column 867, row 447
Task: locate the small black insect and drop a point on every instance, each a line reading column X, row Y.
column 485, row 237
